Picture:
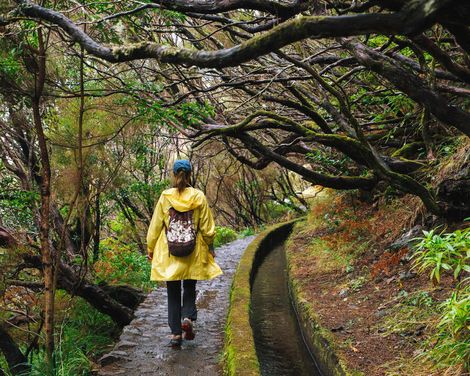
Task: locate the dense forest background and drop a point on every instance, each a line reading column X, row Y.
column 266, row 98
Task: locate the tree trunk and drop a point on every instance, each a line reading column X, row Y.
column 128, row 296
column 17, row 362
column 132, row 223
column 96, row 235
column 48, row 268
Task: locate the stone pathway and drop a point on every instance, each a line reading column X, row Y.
column 141, row 349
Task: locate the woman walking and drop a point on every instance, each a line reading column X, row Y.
column 179, row 245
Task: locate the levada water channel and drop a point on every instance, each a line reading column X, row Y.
column 278, row 339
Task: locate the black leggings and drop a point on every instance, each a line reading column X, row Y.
column 175, row 310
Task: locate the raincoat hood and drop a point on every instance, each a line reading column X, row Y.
column 189, row 199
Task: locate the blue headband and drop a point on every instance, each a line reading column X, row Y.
column 181, row 164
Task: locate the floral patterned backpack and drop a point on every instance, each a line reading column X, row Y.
column 180, row 234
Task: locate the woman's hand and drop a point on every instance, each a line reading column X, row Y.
column 150, row 256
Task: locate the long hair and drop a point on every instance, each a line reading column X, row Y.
column 182, row 180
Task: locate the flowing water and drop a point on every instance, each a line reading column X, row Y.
column 278, row 339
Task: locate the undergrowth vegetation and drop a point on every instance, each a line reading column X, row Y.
column 83, row 334
column 444, row 252
column 224, row 235
column 452, row 340
column 122, row 264
column 441, row 253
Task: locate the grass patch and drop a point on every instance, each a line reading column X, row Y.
column 451, row 347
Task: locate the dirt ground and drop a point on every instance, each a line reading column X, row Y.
column 142, row 348
column 359, row 305
column 355, row 320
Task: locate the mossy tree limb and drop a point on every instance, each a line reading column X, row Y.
column 411, row 85
column 413, row 18
column 354, row 148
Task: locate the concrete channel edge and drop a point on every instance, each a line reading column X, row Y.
column 239, row 356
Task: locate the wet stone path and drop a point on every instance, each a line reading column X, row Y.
column 142, row 348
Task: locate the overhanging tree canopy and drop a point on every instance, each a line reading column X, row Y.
column 274, row 55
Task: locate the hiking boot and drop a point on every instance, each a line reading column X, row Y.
column 187, row 327
column 175, row 342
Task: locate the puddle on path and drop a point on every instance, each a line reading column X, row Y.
column 278, row 340
column 142, row 351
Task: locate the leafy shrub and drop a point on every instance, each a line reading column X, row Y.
column 122, row 264
column 452, row 345
column 9, row 63
column 276, row 210
column 440, row 252
column 246, row 232
column 224, row 235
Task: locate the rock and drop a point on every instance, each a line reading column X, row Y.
column 338, row 328
column 406, row 239
column 112, row 357
column 125, row 345
column 389, row 280
column 381, row 313
column 343, row 293
column 132, row 330
column 405, row 275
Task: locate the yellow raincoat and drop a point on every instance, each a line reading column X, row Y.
column 199, row 264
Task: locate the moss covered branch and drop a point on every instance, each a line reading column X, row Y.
column 414, row 17
column 411, row 85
